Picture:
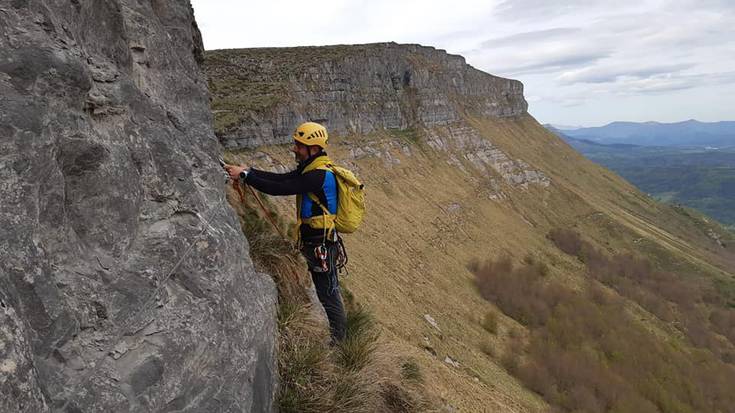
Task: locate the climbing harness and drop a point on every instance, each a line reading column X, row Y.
column 341, row 256
column 321, row 252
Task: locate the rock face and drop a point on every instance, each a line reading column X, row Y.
column 415, row 93
column 259, row 95
column 481, row 154
column 125, row 283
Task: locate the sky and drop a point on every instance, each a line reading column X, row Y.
column 582, row 62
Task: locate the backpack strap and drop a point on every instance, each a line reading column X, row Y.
column 316, row 201
column 327, row 217
column 326, row 167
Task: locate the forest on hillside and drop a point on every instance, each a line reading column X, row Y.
column 697, row 177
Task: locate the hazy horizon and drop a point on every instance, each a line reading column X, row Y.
column 565, row 126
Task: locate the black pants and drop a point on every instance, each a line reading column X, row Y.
column 326, row 283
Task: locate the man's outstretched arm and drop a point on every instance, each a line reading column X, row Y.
column 235, row 170
column 299, row 184
column 273, row 176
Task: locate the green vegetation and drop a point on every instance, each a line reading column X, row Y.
column 587, row 352
column 357, row 350
column 234, row 96
column 409, row 135
column 699, row 178
column 247, row 82
column 288, row 60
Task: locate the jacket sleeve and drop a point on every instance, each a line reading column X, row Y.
column 272, row 176
column 311, row 181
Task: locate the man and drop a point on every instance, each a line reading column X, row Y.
column 315, row 187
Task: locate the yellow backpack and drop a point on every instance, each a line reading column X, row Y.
column 350, row 200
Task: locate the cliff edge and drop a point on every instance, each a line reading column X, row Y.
column 260, row 94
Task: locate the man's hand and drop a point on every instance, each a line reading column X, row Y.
column 234, row 171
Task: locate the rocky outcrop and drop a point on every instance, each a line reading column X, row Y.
column 259, row 95
column 482, row 154
column 125, row 283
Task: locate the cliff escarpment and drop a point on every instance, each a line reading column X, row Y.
column 124, row 278
column 259, row 94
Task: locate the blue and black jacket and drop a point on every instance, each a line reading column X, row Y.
column 320, row 182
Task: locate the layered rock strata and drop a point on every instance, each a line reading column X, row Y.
column 124, row 278
column 259, row 95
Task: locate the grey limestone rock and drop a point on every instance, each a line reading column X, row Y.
column 481, row 152
column 259, row 95
column 125, row 282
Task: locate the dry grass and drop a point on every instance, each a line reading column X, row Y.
column 488, row 348
column 311, row 380
column 410, row 370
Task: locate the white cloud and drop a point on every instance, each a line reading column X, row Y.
column 611, row 73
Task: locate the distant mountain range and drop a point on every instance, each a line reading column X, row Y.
column 687, row 133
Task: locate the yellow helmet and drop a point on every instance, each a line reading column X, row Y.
column 311, row 133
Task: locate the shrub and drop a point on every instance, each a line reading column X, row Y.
column 669, row 296
column 566, row 240
column 490, row 322
column 723, row 320
column 510, row 361
column 512, row 289
column 585, row 353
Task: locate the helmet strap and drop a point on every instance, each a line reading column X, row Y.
column 312, row 153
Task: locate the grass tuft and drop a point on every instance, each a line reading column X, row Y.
column 398, row 399
column 411, row 371
column 487, row 348
column 490, row 322
column 357, row 349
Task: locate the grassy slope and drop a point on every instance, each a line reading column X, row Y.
column 427, row 220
